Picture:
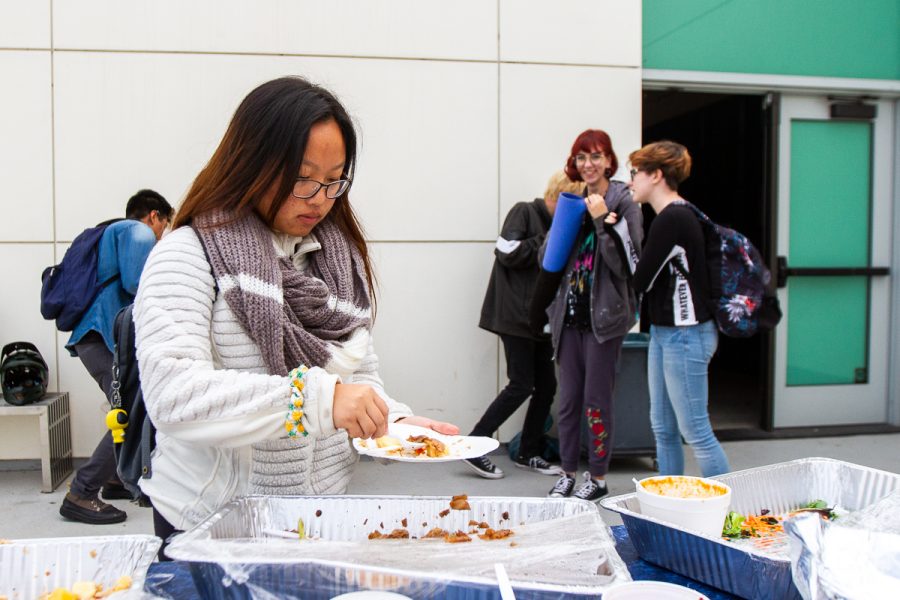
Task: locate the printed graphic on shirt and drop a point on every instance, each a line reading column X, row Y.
column 682, row 300
column 507, row 246
column 621, row 231
column 578, row 297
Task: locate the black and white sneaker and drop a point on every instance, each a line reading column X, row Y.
column 484, row 467
column 536, row 463
column 591, row 489
column 563, row 487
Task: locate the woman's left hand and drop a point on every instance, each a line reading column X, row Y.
column 596, row 205
column 439, row 426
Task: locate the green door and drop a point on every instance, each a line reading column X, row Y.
column 833, row 242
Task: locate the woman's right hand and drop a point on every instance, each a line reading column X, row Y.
column 359, row 410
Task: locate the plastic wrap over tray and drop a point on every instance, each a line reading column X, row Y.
column 853, row 557
column 779, row 488
column 560, row 547
column 29, row 568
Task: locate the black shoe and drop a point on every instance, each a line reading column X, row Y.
column 484, row 467
column 591, row 489
column 92, row 511
column 536, row 463
column 115, row 491
column 563, row 488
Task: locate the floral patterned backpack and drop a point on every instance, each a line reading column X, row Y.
column 741, row 298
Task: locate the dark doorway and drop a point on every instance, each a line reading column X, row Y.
column 728, row 136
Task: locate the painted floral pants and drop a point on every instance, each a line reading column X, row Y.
column 587, row 378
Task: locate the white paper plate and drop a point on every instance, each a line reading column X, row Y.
column 460, row 446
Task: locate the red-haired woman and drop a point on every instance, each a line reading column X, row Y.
column 594, row 308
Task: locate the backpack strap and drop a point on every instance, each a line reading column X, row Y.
column 206, row 255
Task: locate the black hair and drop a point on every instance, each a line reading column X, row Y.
column 146, row 201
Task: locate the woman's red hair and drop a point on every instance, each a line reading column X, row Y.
column 591, row 140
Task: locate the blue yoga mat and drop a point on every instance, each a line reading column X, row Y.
column 563, row 230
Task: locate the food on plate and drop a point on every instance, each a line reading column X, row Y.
column 460, row 502
column 387, row 441
column 433, row 448
column 87, row 590
column 677, row 486
column 495, row 534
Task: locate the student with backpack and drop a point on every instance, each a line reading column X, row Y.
column 121, row 251
column 675, row 278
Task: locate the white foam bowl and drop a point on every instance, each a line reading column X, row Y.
column 651, row 590
column 700, row 515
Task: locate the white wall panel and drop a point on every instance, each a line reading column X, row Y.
column 26, row 147
column 24, row 23
column 20, row 320
column 126, row 121
column 544, row 108
column 601, row 32
column 432, row 354
column 465, row 29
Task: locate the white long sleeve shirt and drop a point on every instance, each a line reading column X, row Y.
column 219, row 415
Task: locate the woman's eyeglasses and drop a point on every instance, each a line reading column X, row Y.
column 633, row 172
column 594, row 157
column 307, row 188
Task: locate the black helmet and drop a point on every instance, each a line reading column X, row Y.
column 23, row 373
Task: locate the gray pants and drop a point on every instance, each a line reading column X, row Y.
column 101, row 466
column 587, row 378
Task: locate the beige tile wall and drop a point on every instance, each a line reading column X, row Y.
column 463, row 109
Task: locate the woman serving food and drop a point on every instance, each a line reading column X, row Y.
column 254, row 317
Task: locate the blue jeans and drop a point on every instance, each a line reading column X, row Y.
column 677, row 368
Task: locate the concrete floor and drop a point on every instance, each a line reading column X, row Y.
column 28, row 513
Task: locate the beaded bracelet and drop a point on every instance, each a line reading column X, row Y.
column 292, row 422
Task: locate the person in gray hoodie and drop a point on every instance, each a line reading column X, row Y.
column 594, row 308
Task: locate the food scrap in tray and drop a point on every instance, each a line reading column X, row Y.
column 87, row 590
column 460, row 503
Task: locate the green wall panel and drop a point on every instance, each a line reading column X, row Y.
column 827, row 326
column 831, row 38
column 830, row 196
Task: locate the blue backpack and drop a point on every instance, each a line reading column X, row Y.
column 69, row 288
column 741, row 298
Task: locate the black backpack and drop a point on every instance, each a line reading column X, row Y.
column 133, row 453
column 69, row 288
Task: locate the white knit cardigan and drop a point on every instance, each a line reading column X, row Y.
column 219, row 415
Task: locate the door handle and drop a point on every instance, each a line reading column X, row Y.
column 783, row 271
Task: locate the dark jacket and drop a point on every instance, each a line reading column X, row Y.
column 613, row 303
column 516, row 266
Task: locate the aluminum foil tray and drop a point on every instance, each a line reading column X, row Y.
column 29, row 568
column 560, row 547
column 779, row 488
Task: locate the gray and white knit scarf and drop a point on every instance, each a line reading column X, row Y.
column 295, row 318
